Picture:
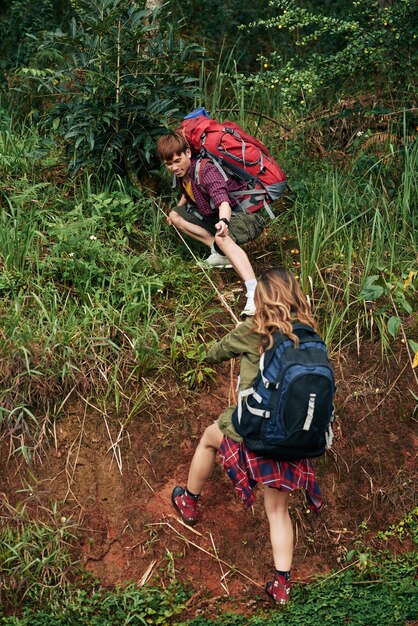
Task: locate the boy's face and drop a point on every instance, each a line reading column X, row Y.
column 180, row 163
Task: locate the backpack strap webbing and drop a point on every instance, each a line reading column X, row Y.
column 199, row 161
column 302, row 326
column 204, row 155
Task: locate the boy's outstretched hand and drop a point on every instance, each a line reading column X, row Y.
column 222, row 229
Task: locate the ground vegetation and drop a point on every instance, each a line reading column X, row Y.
column 105, row 315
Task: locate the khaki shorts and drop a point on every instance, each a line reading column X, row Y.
column 243, row 226
column 224, row 422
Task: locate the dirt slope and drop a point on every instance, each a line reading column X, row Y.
column 121, row 495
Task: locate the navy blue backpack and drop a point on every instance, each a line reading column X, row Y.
column 288, row 413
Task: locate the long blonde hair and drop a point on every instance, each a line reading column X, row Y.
column 279, row 301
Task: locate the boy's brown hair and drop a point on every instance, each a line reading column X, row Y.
column 171, row 144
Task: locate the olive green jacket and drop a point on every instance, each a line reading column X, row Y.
column 240, row 342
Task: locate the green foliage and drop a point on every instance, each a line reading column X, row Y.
column 216, row 25
column 35, row 553
column 119, row 73
column 407, row 526
column 367, row 41
column 384, row 593
column 17, row 234
column 347, row 229
column 188, row 351
column 89, row 285
column 127, row 604
column 21, row 21
column 393, row 299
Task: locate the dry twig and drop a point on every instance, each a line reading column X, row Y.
column 195, row 545
column 223, row 574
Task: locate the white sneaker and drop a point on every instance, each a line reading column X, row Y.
column 216, row 260
column 249, row 309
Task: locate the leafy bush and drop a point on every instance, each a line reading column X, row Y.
column 216, row 25
column 119, row 74
column 368, row 40
column 20, row 21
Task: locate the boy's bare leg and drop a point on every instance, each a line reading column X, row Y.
column 236, row 255
column 276, row 504
column 204, row 459
column 193, row 230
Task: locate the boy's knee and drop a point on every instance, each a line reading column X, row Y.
column 222, row 244
column 173, row 217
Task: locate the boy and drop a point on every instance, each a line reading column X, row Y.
column 206, row 212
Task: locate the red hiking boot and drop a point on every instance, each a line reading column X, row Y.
column 185, row 505
column 279, row 589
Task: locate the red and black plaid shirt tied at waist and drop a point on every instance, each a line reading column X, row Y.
column 212, row 187
column 245, row 468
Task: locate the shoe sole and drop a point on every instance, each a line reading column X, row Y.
column 185, row 520
column 208, row 267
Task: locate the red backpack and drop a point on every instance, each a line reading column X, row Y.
column 236, row 154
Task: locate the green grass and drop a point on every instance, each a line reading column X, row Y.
column 90, row 284
column 36, row 562
column 375, row 587
column 348, row 229
column 100, row 301
column 92, row 277
column 387, row 597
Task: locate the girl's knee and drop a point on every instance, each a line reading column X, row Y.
column 212, row 437
column 275, row 501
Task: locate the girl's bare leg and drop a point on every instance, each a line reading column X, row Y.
column 204, row 459
column 276, row 504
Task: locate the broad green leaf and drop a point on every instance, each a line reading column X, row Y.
column 394, row 324
column 371, row 291
column 405, row 304
column 413, row 344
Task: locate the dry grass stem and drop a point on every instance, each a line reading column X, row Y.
column 389, row 391
column 195, row 545
column 114, row 444
column 147, row 483
column 70, row 469
column 223, row 574
column 146, row 575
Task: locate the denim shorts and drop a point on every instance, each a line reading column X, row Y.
column 243, row 226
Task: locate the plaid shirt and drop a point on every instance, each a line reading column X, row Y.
column 245, row 468
column 213, row 188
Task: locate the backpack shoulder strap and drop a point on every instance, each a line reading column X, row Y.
column 201, row 161
column 268, row 354
column 302, row 326
column 305, row 332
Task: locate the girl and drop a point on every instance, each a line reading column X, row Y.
column 279, row 301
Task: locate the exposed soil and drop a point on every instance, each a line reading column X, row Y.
column 120, row 493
